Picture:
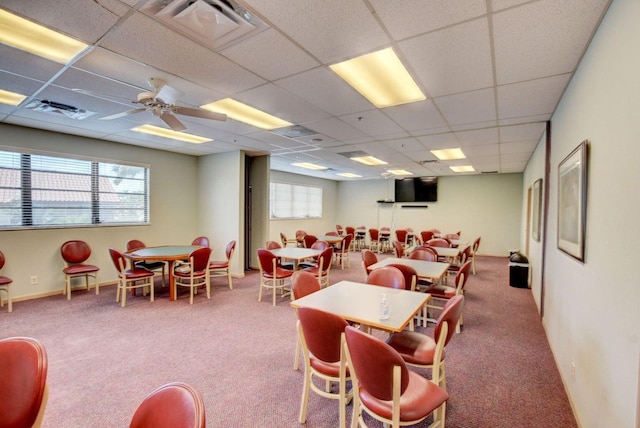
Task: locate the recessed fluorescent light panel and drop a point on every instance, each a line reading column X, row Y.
column 399, row 172
column 381, row 78
column 448, row 154
column 168, row 133
column 369, row 160
column 462, row 168
column 309, row 165
column 348, row 175
column 11, row 98
column 31, row 37
column 246, row 114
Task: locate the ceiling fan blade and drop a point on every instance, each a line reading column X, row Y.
column 168, row 94
column 123, row 114
column 198, row 112
column 173, row 122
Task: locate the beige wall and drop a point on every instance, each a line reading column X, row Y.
column 591, row 310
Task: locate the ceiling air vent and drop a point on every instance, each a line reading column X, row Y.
column 213, row 23
column 53, row 107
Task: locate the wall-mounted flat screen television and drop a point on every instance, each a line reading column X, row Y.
column 416, row 189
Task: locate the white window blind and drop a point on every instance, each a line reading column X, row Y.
column 295, row 201
column 40, row 190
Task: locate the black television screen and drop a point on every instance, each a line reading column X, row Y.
column 416, row 189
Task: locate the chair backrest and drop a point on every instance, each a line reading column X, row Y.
column 398, row 249
column 385, row 230
column 450, row 236
column 332, row 233
column 135, row 244
column 426, row 235
column 75, row 251
column 368, row 258
column 387, row 276
column 283, row 239
column 372, row 362
column 401, row 235
column 409, row 273
column 303, row 283
column 320, row 245
column 322, row 333
column 272, row 245
column 266, row 260
column 309, row 240
column 203, row 241
column 200, row 259
column 438, row 242
column 462, row 276
column 175, row 405
column 346, row 242
column 374, row 234
column 118, row 260
column 23, row 381
column 300, row 234
column 450, row 314
column 2, row 259
column 339, row 229
column 424, row 253
column 476, row 245
column 231, row 248
column 325, row 259
column 350, row 230
column 465, row 254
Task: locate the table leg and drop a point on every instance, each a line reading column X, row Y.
column 172, row 281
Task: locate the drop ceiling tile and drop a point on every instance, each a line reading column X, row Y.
column 447, row 140
column 416, row 117
column 527, row 147
column 524, row 119
column 528, row 131
column 28, row 65
column 474, row 125
column 336, row 128
column 503, row 4
column 405, row 19
column 405, row 145
column 18, row 84
column 257, row 54
column 374, row 123
column 468, row 107
column 326, row 90
column 338, row 30
column 478, row 137
column 485, row 150
column 542, row 96
column 452, row 60
column 543, row 38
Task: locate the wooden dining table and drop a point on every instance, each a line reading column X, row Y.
column 165, row 253
column 296, row 254
column 331, row 239
column 360, row 303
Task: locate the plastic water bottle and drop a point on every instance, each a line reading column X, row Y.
column 384, row 308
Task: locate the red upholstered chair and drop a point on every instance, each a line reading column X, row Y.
column 342, row 253
column 441, row 293
column 308, row 240
column 350, row 230
column 403, row 237
column 193, row 273
column 398, row 249
column 174, row 405
column 374, row 240
column 462, row 258
column 75, row 253
column 221, row 267
column 360, row 237
column 272, row 275
column 5, row 285
column 300, row 237
column 385, row 388
column 321, row 271
column 23, row 382
column 339, row 229
column 410, row 275
column 286, row 241
column 474, row 250
column 303, row 283
column 438, row 242
column 272, row 245
column 322, row 339
column 313, row 261
column 385, row 239
column 424, row 253
column 130, row 279
column 425, row 235
column 420, row 350
column 368, row 258
column 136, row 244
column 202, row 241
column 387, row 276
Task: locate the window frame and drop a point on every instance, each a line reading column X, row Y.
column 308, row 209
column 97, row 210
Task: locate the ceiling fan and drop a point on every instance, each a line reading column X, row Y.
column 161, row 102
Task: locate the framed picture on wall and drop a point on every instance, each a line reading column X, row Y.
column 572, row 202
column 536, row 209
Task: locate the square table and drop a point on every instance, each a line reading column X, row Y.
column 360, row 303
column 297, row 254
column 425, row 269
column 331, row 239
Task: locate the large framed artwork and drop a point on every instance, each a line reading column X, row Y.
column 572, row 202
column 536, row 209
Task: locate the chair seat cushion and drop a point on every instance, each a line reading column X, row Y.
column 329, row 369
column 188, row 273
column 418, row 401
column 138, row 273
column 415, row 348
column 5, row 280
column 222, row 264
column 279, row 273
column 80, row 269
column 441, row 291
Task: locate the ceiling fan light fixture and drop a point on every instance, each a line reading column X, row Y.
column 381, row 78
column 449, row 154
column 173, row 135
column 246, row 114
column 36, row 39
column 11, row 98
column 369, row 160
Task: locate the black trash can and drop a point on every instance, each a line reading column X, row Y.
column 518, row 270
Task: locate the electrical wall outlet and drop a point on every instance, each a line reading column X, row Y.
column 34, row 280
